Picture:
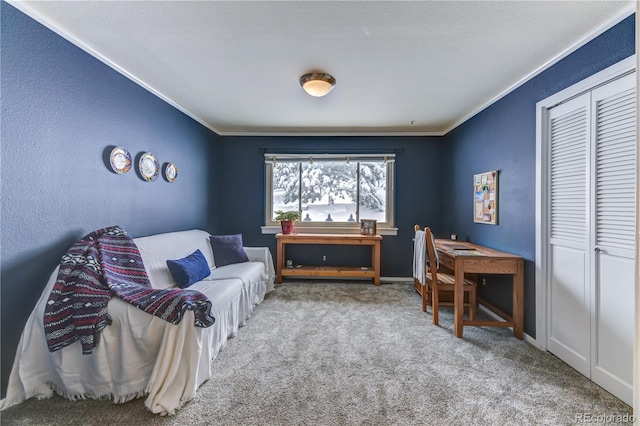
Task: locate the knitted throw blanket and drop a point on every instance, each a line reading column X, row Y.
column 103, row 264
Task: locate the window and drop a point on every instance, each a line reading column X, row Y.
column 331, row 191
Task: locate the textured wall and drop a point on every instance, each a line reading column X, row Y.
column 61, row 109
column 503, row 137
column 418, row 184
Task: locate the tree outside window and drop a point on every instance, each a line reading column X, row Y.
column 331, row 190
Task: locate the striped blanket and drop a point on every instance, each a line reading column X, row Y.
column 103, row 264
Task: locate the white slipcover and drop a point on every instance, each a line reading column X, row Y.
column 139, row 353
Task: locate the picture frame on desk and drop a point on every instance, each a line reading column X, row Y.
column 368, row 227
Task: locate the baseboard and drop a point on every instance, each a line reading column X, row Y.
column 382, row 279
column 396, row 279
column 527, row 338
column 532, row 341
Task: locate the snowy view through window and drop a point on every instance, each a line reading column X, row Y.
column 328, row 191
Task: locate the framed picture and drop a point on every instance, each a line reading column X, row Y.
column 368, row 227
column 485, row 198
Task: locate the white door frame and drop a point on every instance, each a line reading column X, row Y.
column 542, row 196
column 636, row 344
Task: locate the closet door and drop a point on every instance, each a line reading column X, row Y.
column 569, row 334
column 613, row 254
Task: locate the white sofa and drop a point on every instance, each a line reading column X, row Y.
column 141, row 354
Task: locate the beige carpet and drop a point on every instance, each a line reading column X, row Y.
column 329, row 353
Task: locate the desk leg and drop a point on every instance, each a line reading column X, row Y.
column 375, row 262
column 518, row 301
column 279, row 261
column 458, row 298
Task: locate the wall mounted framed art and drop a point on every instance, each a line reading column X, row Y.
column 485, row 198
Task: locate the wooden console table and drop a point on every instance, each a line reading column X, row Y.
column 372, row 271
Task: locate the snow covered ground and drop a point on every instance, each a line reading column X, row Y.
column 320, row 210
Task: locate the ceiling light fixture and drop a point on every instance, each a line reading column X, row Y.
column 317, row 84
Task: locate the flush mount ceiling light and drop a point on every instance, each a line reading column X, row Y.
column 317, row 84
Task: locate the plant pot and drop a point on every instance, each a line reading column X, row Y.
column 287, row 226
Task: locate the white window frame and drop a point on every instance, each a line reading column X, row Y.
column 383, row 228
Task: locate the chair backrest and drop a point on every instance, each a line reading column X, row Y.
column 432, row 252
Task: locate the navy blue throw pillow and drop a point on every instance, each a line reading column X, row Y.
column 228, row 249
column 189, row 270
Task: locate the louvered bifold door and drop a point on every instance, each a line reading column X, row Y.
column 569, row 296
column 613, row 254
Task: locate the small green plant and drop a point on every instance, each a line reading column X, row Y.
column 291, row 215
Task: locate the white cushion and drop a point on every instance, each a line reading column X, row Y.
column 157, row 249
column 245, row 271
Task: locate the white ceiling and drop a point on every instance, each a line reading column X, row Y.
column 411, row 68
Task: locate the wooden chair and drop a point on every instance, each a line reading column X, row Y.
column 437, row 290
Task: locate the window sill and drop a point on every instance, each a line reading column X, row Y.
column 274, row 229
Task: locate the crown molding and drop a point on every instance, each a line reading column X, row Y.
column 329, row 133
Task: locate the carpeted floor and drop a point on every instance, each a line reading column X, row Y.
column 329, row 353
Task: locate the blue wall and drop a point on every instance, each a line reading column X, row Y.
column 418, row 172
column 503, row 137
column 61, row 109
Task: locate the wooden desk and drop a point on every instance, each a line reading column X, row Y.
column 483, row 260
column 372, row 271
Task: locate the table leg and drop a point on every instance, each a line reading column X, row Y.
column 458, row 298
column 518, row 301
column 279, row 261
column 375, row 262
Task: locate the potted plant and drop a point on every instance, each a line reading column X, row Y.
column 287, row 219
